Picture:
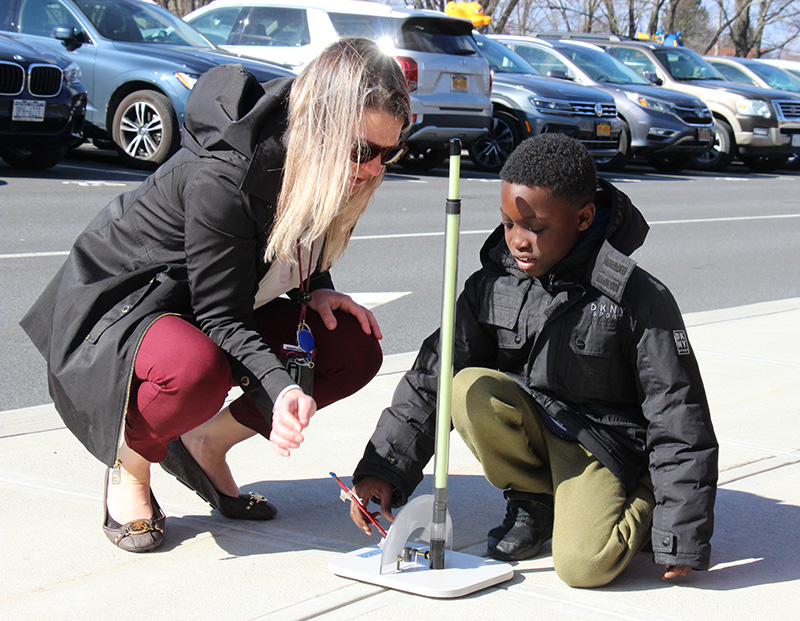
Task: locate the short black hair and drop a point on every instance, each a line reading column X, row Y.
column 556, row 163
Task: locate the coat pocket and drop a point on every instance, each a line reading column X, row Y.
column 121, row 309
column 502, row 314
column 596, row 362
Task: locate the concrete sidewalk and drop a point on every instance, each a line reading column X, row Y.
column 55, row 562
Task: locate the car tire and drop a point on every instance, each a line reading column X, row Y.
column 764, row 163
column 618, row 162
column 669, row 163
column 33, row 159
column 721, row 154
column 144, row 130
column 424, row 158
column 491, row 152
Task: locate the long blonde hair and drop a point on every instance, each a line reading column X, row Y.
column 326, row 107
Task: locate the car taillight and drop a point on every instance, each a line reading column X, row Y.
column 409, row 67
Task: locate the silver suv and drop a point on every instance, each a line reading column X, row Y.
column 448, row 80
column 760, row 126
column 667, row 128
column 527, row 104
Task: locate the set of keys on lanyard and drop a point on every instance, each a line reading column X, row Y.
column 299, row 358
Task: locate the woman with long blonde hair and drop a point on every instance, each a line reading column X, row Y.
column 174, row 293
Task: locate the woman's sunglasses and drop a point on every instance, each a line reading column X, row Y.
column 364, row 152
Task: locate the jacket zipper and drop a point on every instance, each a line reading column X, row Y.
column 115, row 470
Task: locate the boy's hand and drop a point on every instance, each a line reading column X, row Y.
column 367, row 488
column 675, row 571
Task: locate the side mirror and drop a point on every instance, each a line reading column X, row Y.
column 650, row 75
column 557, row 73
column 71, row 38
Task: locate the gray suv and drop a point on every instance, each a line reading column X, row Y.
column 447, row 78
column 667, row 128
column 527, row 104
column 760, row 126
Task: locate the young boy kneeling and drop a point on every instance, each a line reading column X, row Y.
column 576, row 386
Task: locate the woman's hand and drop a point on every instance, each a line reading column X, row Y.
column 325, row 301
column 291, row 415
column 367, row 488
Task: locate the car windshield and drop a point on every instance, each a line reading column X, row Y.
column 775, row 77
column 600, row 66
column 119, row 20
column 503, row 60
column 683, row 64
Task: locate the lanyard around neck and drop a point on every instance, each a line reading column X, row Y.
column 305, row 283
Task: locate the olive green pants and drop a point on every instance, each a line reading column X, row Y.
column 598, row 528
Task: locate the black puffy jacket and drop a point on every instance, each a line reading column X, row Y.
column 190, row 241
column 601, row 346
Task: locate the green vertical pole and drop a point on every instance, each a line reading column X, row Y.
column 446, row 337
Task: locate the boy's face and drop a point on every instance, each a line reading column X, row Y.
column 540, row 230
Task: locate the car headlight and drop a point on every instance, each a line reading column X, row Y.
column 187, row 79
column 651, row 103
column 551, row 105
column 753, row 107
column 72, row 73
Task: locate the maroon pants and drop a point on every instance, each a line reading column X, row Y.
column 181, row 377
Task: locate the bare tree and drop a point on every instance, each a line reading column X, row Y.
column 749, row 36
column 182, row 7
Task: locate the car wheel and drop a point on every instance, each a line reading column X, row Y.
column 764, row 163
column 491, row 152
column 424, row 158
column 618, row 162
column 669, row 163
column 33, row 159
column 144, row 129
column 721, row 154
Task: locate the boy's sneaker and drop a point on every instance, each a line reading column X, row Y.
column 527, row 525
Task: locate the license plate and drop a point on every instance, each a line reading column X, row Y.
column 705, row 134
column 603, row 129
column 28, row 110
column 796, row 140
column 459, row 83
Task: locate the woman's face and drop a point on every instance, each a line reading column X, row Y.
column 380, row 129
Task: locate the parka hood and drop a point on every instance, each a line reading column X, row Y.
column 225, row 107
column 618, row 228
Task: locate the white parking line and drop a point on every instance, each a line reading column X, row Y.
column 780, row 216
column 777, row 216
column 34, row 255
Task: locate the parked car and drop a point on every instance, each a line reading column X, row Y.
column 792, row 66
column 139, row 63
column 760, row 126
column 666, row 127
column 528, row 104
column 754, row 72
column 447, row 78
column 42, row 105
column 758, row 73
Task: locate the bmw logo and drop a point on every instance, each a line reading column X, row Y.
column 598, row 109
column 19, row 59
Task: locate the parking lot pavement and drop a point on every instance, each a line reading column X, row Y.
column 56, row 563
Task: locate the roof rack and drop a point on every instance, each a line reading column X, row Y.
column 578, row 35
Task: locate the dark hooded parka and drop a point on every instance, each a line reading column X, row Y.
column 601, row 348
column 190, row 241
